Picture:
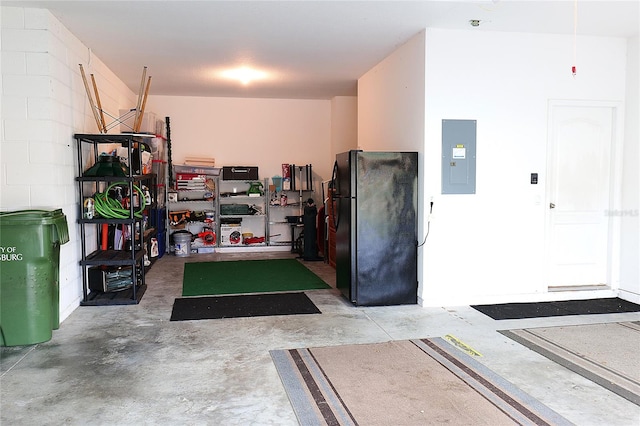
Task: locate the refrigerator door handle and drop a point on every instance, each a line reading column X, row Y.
column 335, row 196
column 334, row 180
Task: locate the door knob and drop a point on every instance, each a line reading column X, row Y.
column 552, row 206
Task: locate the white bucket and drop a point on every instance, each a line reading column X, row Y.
column 182, row 244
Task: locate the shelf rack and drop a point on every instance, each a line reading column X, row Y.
column 134, row 257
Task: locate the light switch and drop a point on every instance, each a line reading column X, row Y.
column 534, row 178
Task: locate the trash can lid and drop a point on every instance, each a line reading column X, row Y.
column 38, row 217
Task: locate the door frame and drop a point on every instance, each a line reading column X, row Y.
column 615, row 188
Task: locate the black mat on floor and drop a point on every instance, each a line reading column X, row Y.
column 252, row 305
column 553, row 309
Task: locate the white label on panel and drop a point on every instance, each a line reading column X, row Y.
column 459, row 153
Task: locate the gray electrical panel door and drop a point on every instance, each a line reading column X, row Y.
column 458, row 156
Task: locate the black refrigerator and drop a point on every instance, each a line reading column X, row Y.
column 375, row 199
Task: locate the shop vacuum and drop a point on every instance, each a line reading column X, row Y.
column 310, row 251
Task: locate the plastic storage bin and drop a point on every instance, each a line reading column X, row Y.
column 29, row 275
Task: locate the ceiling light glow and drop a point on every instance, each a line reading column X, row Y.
column 245, row 75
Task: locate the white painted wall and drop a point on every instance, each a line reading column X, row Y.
column 43, row 105
column 391, row 105
column 489, row 247
column 391, row 101
column 630, row 209
column 344, row 124
column 250, row 132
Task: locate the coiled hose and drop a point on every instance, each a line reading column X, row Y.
column 110, row 208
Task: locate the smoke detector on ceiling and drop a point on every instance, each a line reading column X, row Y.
column 474, row 22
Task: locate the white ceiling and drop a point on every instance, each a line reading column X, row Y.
column 314, row 49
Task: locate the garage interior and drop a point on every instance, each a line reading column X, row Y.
column 404, row 72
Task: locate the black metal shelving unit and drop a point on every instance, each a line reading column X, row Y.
column 89, row 145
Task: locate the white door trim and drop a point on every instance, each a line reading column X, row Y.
column 615, row 185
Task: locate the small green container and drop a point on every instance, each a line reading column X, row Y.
column 29, row 275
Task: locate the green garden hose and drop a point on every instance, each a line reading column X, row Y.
column 110, row 208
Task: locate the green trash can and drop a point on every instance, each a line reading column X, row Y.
column 29, row 275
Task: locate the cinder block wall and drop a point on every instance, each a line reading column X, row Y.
column 44, row 104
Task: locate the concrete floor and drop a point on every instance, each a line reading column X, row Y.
column 126, row 365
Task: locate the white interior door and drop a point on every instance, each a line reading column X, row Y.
column 578, row 193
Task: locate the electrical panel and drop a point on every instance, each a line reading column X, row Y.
column 459, row 156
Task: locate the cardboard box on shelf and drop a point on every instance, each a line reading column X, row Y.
column 230, row 234
column 200, row 161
